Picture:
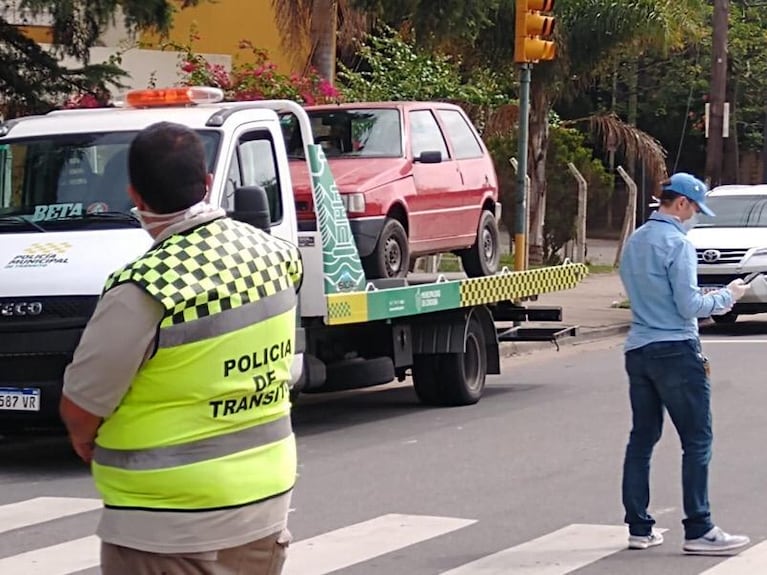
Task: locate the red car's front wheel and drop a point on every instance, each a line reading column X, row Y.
column 391, row 256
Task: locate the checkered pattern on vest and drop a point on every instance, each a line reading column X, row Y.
column 217, row 266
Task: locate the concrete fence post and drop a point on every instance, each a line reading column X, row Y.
column 629, row 219
column 580, row 234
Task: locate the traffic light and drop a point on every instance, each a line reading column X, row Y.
column 531, row 29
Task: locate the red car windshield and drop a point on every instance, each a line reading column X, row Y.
column 347, row 133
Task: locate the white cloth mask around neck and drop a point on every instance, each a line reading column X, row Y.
column 165, row 220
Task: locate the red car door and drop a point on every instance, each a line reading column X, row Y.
column 477, row 170
column 435, row 210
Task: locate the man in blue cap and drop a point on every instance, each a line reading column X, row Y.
column 666, row 366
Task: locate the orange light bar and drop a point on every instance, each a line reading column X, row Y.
column 173, row 97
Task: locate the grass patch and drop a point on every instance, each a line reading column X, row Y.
column 450, row 263
column 601, row 269
column 507, row 260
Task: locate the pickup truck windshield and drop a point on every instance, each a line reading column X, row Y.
column 71, row 181
column 735, row 212
column 348, row 133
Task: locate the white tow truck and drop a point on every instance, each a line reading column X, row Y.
column 66, row 224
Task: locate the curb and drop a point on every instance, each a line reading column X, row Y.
column 510, row 349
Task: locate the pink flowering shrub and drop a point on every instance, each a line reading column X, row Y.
column 82, row 101
column 255, row 80
column 97, row 98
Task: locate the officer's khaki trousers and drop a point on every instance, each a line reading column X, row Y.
column 263, row 557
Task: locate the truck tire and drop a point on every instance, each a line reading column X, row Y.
column 483, row 257
column 391, row 257
column 453, row 379
column 356, row 373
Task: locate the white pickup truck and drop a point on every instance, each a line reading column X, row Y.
column 65, row 225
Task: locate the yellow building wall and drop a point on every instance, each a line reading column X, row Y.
column 223, row 24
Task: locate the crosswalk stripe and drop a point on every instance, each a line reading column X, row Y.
column 42, row 509
column 354, row 544
column 559, row 552
column 751, row 561
column 556, row 553
column 61, row 559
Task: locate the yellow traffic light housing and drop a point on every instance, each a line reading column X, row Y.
column 532, row 29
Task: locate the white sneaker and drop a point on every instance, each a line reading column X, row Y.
column 645, row 541
column 715, row 542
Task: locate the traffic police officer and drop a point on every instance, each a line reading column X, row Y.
column 178, row 392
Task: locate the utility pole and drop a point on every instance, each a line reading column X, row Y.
column 520, row 211
column 717, row 94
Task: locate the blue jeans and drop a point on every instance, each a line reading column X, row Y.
column 668, row 374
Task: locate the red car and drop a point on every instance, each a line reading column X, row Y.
column 415, row 178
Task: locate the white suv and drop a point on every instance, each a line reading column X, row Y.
column 733, row 244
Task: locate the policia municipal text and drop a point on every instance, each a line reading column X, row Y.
column 191, row 483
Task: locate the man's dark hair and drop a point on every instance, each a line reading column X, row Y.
column 667, row 197
column 167, row 167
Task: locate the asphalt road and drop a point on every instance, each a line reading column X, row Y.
column 526, row 482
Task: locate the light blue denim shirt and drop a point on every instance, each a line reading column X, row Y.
column 659, row 273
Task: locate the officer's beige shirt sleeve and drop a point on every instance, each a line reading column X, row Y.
column 117, row 340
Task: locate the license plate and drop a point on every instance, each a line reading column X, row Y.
column 708, row 289
column 15, row 399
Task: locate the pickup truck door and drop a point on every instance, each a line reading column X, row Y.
column 253, row 159
column 436, row 209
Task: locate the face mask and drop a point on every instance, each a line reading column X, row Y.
column 691, row 223
column 164, row 220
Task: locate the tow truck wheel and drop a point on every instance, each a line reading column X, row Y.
column 483, row 257
column 391, row 257
column 456, row 378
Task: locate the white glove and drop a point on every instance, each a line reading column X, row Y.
column 738, row 288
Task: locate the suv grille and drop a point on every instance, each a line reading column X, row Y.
column 718, row 279
column 720, row 256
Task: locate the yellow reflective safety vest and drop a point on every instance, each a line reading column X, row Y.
column 206, row 422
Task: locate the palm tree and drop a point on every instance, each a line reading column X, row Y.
column 325, row 27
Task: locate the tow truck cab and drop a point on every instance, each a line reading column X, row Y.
column 66, row 222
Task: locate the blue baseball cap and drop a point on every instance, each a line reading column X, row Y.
column 690, row 187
